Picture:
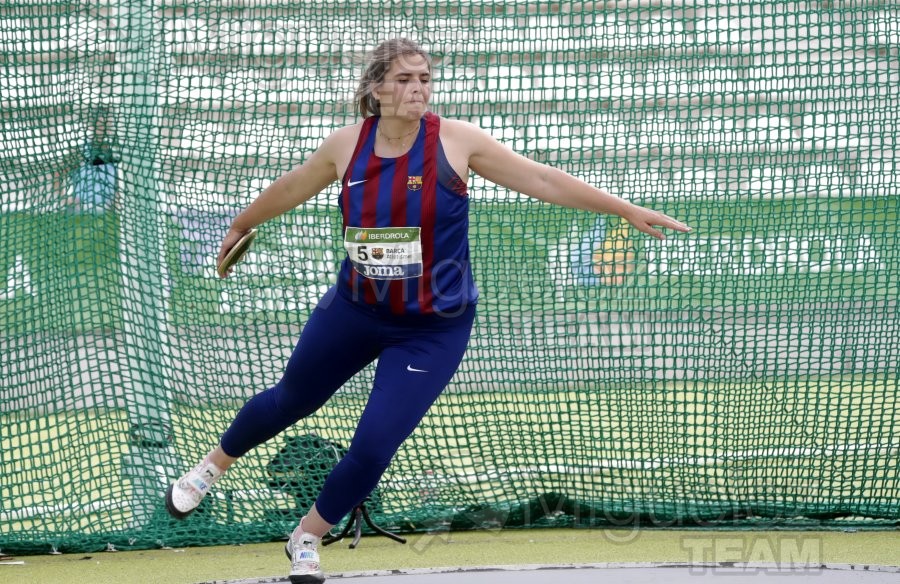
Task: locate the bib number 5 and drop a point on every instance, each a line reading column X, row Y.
column 385, row 253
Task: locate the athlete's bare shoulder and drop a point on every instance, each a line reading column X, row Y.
column 343, row 137
column 339, row 145
column 461, row 140
column 458, row 131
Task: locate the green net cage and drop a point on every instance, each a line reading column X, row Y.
column 742, row 375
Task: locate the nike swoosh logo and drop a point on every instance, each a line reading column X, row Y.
column 356, row 182
column 413, row 369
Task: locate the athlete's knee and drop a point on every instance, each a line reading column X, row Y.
column 292, row 402
column 369, row 458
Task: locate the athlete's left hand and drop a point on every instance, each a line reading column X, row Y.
column 644, row 220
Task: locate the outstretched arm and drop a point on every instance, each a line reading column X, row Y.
column 499, row 164
column 288, row 191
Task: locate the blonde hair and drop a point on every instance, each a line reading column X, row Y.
column 376, row 69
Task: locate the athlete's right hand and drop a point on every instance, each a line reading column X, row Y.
column 231, row 238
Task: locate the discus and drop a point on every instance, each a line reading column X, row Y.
column 236, row 252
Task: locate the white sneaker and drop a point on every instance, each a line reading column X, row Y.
column 185, row 494
column 304, row 555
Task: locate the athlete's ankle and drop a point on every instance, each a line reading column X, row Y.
column 218, row 469
column 220, row 459
column 300, row 530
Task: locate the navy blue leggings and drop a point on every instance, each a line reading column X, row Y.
column 417, row 356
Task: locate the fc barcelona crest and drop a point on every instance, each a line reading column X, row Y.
column 414, row 183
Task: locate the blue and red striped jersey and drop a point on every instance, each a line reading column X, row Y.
column 406, row 223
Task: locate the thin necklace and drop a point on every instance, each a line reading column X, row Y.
column 401, row 138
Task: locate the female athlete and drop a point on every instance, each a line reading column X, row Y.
column 404, row 294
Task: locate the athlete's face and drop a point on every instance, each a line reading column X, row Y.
column 406, row 88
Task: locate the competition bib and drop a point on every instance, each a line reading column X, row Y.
column 385, row 253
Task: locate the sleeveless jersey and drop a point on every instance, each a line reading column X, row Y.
column 405, row 223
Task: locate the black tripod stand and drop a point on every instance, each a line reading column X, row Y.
column 358, row 515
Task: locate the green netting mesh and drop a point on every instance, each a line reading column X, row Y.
column 743, row 375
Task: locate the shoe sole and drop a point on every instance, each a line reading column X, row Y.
column 170, row 505
column 306, row 578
